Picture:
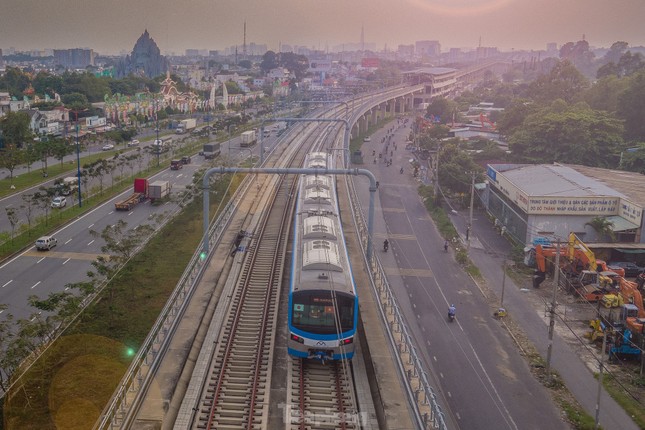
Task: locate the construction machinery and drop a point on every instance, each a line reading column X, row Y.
column 576, row 259
column 486, row 123
column 624, row 346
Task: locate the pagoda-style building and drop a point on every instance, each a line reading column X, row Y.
column 145, row 59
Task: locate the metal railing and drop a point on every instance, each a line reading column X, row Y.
column 420, row 392
column 147, row 358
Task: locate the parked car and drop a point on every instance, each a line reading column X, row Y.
column 185, row 160
column 107, row 147
column 133, row 142
column 631, row 269
column 59, row 202
column 45, row 243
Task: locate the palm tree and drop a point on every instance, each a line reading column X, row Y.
column 603, row 227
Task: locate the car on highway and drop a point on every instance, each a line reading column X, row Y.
column 45, row 243
column 367, row 139
column 107, row 147
column 631, row 269
column 133, row 142
column 59, row 202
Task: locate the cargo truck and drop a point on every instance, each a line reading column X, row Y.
column 67, row 186
column 211, row 150
column 158, row 190
column 186, row 125
column 248, row 139
column 140, row 194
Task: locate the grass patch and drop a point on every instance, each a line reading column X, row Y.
column 70, row 384
column 632, row 406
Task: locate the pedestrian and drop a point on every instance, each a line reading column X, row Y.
column 377, row 184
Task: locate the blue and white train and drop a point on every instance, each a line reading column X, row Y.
column 323, row 304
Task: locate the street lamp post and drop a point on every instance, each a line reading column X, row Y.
column 78, row 160
column 158, row 144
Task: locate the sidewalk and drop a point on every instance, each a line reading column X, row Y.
column 487, row 252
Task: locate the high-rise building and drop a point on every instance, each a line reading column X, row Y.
column 74, row 58
column 429, row 48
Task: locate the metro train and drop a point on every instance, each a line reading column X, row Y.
column 323, row 303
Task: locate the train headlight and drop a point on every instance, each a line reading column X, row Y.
column 347, row 341
column 297, row 338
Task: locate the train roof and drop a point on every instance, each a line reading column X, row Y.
column 321, row 261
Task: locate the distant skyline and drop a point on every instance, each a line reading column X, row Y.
column 112, row 26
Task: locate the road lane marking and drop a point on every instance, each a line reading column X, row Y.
column 68, row 241
column 434, row 357
column 35, row 284
column 91, row 242
column 66, row 260
column 90, row 226
column 7, row 283
column 40, row 260
column 441, row 374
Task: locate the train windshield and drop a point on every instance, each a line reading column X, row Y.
column 314, row 312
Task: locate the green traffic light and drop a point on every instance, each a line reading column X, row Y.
column 130, row 352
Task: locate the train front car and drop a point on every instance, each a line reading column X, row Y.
column 323, row 305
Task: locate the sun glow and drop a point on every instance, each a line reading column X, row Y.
column 460, row 7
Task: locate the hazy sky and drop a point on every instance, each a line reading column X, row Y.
column 110, row 26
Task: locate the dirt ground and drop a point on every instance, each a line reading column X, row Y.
column 573, row 326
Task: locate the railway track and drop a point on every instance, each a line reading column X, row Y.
column 321, row 396
column 239, row 380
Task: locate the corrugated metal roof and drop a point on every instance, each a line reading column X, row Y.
column 620, row 223
column 555, row 180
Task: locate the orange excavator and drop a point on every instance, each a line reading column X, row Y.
column 575, row 259
column 486, row 123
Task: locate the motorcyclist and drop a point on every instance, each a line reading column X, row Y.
column 401, row 171
column 451, row 311
column 386, row 245
column 445, row 246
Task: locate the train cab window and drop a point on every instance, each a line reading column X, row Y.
column 314, row 311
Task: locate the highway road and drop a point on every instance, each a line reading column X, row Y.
column 40, row 273
column 478, row 369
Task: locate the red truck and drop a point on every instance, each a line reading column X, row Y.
column 140, row 194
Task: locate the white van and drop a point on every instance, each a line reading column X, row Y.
column 45, row 243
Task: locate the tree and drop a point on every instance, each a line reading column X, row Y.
column 603, row 227
column 75, row 101
column 59, row 149
column 442, row 108
column 630, row 64
column 10, row 158
column 295, row 63
column 615, row 52
column 514, row 116
column 603, row 94
column 269, row 61
column 15, row 129
column 12, row 216
column 572, row 134
column 631, row 105
column 563, row 82
column 31, row 202
column 15, row 81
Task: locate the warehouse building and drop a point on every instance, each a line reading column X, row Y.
column 545, row 202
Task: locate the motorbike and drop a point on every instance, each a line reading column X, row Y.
column 445, row 247
column 451, row 316
column 386, row 245
column 401, row 171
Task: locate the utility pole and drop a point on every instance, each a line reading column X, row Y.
column 470, row 215
column 501, row 301
column 600, row 369
column 556, row 278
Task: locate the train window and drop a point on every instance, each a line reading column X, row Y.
column 321, row 244
column 314, row 311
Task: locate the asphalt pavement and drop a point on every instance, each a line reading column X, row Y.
column 477, row 369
